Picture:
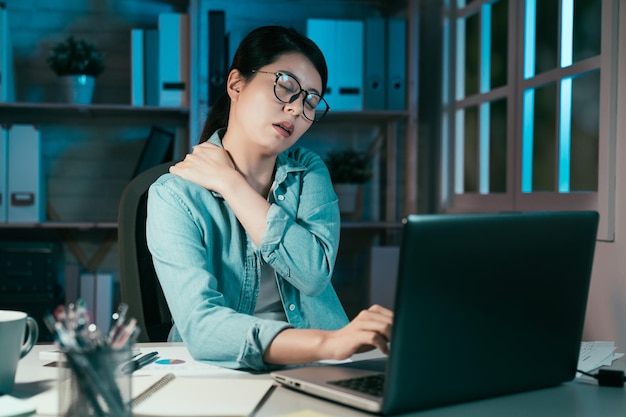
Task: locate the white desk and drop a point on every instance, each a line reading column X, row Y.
column 573, row 399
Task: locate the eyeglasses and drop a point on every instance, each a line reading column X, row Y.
column 287, row 89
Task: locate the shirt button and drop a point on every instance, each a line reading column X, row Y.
column 292, row 307
column 281, row 197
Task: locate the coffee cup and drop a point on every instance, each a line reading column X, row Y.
column 13, row 347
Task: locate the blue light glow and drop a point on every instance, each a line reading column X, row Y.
column 527, row 140
column 565, row 135
column 567, row 33
column 530, row 39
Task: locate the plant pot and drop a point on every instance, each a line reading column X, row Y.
column 77, row 89
column 350, row 199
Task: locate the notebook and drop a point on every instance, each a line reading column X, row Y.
column 485, row 305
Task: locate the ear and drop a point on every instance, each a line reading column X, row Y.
column 234, row 84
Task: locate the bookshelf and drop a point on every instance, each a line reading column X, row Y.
column 395, row 189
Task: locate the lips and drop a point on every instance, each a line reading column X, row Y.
column 285, row 128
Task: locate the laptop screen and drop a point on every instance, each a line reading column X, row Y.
column 488, row 304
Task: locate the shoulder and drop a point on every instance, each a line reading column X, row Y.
column 303, row 158
column 173, row 188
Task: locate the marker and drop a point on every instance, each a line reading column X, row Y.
column 140, row 362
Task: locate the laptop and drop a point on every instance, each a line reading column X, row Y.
column 485, row 305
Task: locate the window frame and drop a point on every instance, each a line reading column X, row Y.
column 514, row 199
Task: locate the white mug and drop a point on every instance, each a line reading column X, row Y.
column 13, row 324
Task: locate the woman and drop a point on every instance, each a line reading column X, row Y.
column 244, row 231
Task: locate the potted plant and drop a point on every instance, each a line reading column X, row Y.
column 77, row 63
column 349, row 169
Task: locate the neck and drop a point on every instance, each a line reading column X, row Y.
column 257, row 169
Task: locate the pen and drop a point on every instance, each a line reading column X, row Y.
column 140, row 362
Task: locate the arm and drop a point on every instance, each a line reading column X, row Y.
column 299, row 234
column 370, row 329
column 188, row 232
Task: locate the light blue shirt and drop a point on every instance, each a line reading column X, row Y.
column 210, row 270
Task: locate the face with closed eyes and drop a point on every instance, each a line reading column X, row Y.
column 258, row 115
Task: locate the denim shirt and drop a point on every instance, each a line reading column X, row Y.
column 210, row 269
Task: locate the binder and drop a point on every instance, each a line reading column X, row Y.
column 137, row 67
column 173, row 59
column 151, row 67
column 7, row 86
column 349, row 71
column 103, row 296
column 25, row 185
column 87, row 290
column 375, row 63
column 396, row 63
column 4, row 162
column 322, row 32
column 341, row 41
column 96, row 289
column 218, row 55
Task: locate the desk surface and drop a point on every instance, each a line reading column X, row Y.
column 578, row 398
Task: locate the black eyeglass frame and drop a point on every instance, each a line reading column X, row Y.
column 294, row 97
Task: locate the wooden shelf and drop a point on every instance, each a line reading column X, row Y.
column 346, row 224
column 371, row 116
column 35, row 113
column 61, row 225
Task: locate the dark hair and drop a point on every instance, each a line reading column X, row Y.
column 261, row 47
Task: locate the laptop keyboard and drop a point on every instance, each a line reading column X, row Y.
column 371, row 384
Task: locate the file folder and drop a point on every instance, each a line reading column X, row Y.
column 137, row 67
column 7, row 86
column 341, row 41
column 349, row 70
column 396, row 63
column 218, row 55
column 151, row 67
column 4, row 162
column 375, row 67
column 26, row 192
column 173, row 59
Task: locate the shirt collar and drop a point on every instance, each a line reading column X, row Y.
column 284, row 163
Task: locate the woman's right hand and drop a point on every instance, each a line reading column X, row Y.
column 370, row 329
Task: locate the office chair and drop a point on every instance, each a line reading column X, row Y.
column 139, row 286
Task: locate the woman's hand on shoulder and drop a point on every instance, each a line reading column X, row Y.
column 207, row 165
column 370, row 329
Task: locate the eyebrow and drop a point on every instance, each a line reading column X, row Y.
column 309, row 90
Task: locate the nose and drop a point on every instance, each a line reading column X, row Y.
column 296, row 104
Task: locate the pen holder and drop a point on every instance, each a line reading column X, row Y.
column 94, row 384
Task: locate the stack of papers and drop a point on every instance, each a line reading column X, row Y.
column 596, row 354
